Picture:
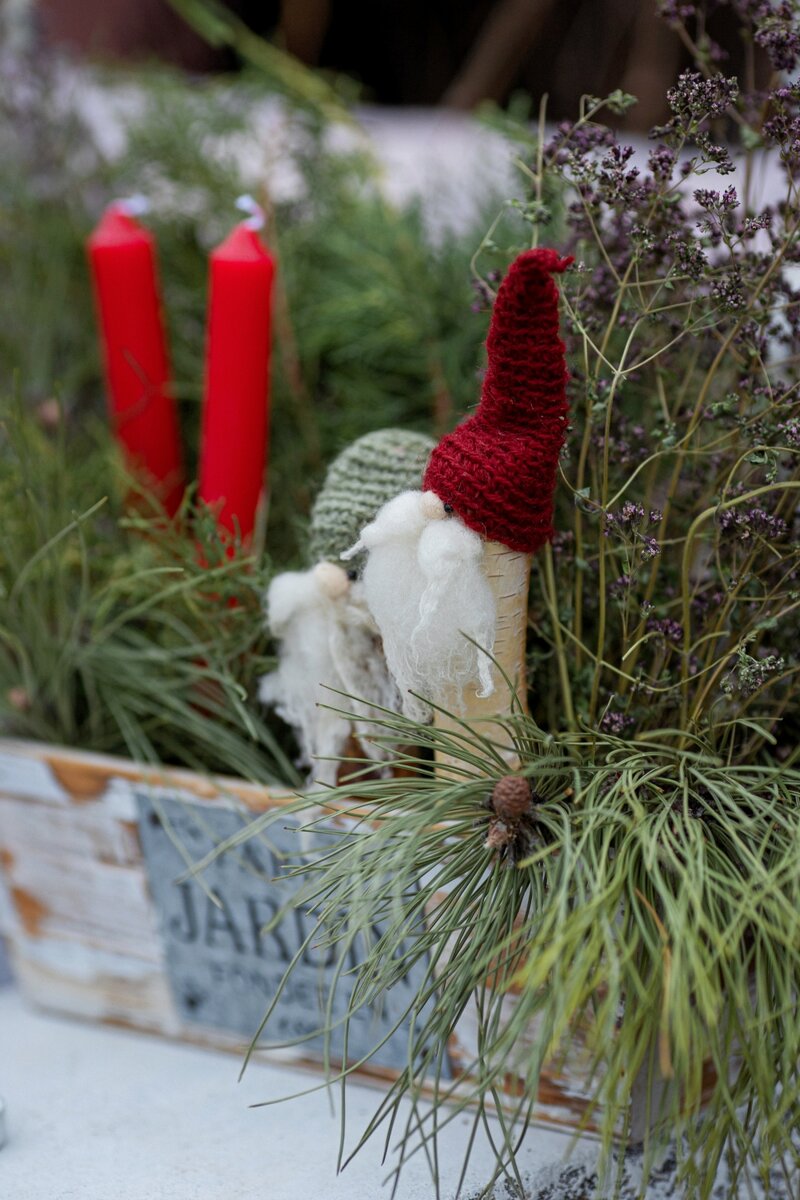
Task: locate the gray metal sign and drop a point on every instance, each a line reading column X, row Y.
column 225, row 963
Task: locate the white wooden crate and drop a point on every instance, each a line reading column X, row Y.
column 85, row 917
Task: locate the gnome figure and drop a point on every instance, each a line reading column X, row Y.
column 447, row 567
column 328, row 641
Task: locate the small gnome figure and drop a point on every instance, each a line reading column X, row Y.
column 447, row 568
column 425, row 586
column 327, row 636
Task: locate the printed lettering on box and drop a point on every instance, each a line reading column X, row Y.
column 225, row 958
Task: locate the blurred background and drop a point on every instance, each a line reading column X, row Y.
column 453, row 53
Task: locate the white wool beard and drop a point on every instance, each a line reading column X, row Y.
column 357, row 653
column 326, row 641
column 425, row 586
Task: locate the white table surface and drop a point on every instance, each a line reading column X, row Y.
column 95, row 1113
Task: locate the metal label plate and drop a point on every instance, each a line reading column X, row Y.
column 224, row 967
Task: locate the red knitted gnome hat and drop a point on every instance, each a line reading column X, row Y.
column 498, row 468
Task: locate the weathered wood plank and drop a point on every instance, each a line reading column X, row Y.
column 106, row 905
column 94, row 984
column 83, row 925
column 91, row 831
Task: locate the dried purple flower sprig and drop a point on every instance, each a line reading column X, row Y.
column 680, row 542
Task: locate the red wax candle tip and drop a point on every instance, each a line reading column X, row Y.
column 117, row 226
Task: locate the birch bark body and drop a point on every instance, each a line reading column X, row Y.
column 508, row 573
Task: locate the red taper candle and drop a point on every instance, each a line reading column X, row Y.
column 236, row 404
column 129, row 312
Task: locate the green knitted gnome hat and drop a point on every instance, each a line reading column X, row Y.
column 374, row 469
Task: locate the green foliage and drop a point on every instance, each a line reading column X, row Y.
column 118, row 633
column 309, row 90
column 44, row 300
column 646, row 928
column 380, row 321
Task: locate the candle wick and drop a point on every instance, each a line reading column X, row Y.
column 133, row 206
column 257, row 218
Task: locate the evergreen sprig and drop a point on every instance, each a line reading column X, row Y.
column 647, row 941
column 118, row 632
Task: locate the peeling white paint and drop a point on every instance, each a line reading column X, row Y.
column 23, row 775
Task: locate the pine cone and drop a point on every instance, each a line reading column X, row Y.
column 511, row 798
